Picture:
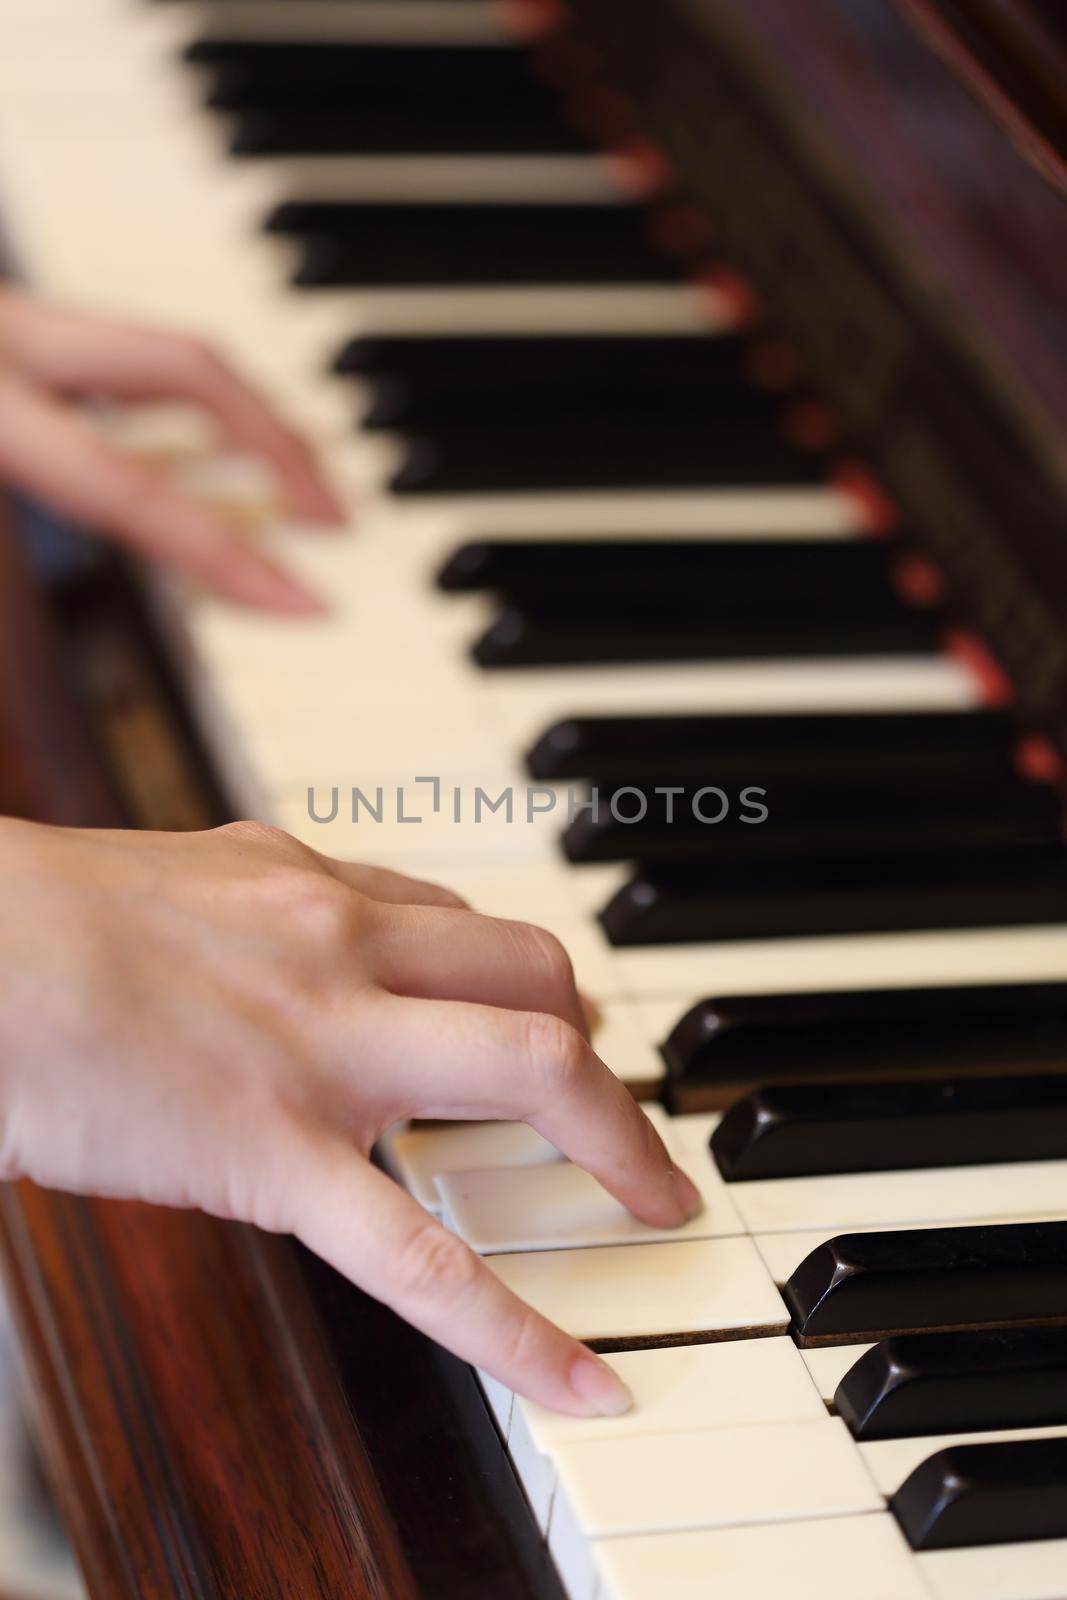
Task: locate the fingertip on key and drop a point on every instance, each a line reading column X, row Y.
column 601, row 1392
column 687, row 1194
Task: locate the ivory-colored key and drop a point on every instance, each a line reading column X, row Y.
column 744, row 1382
column 525, row 704
column 440, row 179
column 418, row 1154
column 640, row 1294
column 1031, row 1571
column 852, row 1202
column 833, row 1558
column 867, row 961
column 420, row 22
column 562, row 1207
column 829, row 1365
column 721, row 1477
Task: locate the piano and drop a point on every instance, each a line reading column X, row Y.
column 697, row 373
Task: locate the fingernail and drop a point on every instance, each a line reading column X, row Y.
column 687, row 1194
column 597, row 1387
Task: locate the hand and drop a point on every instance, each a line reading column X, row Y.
column 229, row 1020
column 50, row 355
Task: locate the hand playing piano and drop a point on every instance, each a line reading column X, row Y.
column 229, row 1020
column 52, row 357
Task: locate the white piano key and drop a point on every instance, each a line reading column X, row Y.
column 417, row 1154
column 716, row 1287
column 836, row 1558
column 691, row 1134
column 880, row 961
column 744, row 1382
column 524, row 705
column 562, row 1207
column 850, row 1202
column 791, row 513
column 1030, row 1571
column 682, row 1388
column 829, row 1365
column 688, row 1481
column 428, row 22
column 716, row 1477
column 890, row 1461
column 420, row 1154
column 559, row 180
column 541, row 309
column 622, row 1043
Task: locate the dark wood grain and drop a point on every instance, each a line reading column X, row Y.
column 189, row 1413
column 49, row 770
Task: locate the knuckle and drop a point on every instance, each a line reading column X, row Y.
column 327, row 912
column 260, row 835
column 435, row 1265
column 444, row 898
column 556, row 1053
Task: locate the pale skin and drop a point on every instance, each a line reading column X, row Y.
column 229, row 1020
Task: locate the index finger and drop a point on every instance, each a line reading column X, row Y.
column 378, row 1237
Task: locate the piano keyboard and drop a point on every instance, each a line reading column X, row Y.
column 587, row 550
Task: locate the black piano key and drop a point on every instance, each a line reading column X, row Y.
column 417, row 78
column 723, row 580
column 392, row 130
column 685, row 903
column 401, row 245
column 293, row 98
column 867, row 1285
column 492, row 361
column 528, row 379
column 927, row 1383
column 723, row 1044
column 495, row 364
column 799, row 1130
column 521, row 638
column 823, row 820
column 579, row 454
column 979, row 1494
column 406, row 405
column 963, row 745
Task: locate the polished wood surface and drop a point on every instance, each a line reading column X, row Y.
column 191, row 1421
column 49, row 771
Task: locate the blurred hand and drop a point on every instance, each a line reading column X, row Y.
column 51, row 355
column 229, row 1020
